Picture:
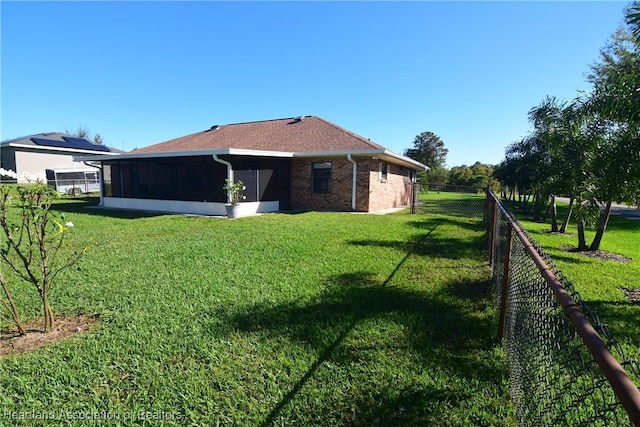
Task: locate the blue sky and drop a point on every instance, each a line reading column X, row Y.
column 139, row 73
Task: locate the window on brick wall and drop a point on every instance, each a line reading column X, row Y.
column 384, row 170
column 321, row 178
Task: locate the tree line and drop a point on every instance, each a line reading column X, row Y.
column 429, row 149
column 587, row 149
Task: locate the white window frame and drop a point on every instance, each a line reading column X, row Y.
column 321, row 166
column 383, row 171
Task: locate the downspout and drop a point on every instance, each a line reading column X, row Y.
column 355, row 181
column 229, row 170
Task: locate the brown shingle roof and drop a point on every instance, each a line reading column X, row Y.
column 311, row 134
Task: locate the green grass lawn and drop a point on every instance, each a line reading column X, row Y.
column 281, row 319
column 599, row 282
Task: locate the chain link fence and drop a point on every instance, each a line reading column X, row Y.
column 565, row 369
column 451, row 200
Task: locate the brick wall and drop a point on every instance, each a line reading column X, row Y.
column 394, row 192
column 339, row 199
column 371, row 193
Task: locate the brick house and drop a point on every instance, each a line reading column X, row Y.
column 302, row 163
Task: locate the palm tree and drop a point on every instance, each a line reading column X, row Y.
column 632, row 17
column 546, row 120
column 615, row 101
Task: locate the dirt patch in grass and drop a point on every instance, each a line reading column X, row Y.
column 607, row 256
column 598, row 254
column 557, row 233
column 633, row 295
column 11, row 343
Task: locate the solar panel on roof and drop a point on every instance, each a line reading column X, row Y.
column 49, row 142
column 75, row 143
column 84, row 144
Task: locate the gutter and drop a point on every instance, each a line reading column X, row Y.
column 67, row 150
column 229, row 171
column 355, row 181
column 397, row 158
column 382, row 153
column 226, row 151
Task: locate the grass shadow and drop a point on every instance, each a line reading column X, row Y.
column 441, row 331
column 442, row 248
column 556, row 255
column 441, row 327
column 473, row 225
column 89, row 205
column 460, row 247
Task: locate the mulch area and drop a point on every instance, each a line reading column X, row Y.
column 606, row 256
column 65, row 327
column 633, row 295
column 598, row 254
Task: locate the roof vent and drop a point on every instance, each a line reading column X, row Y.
column 299, row 119
column 215, row 127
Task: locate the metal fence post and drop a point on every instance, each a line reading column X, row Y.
column 413, row 197
column 494, row 226
column 505, row 282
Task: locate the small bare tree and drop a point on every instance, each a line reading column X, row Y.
column 82, row 132
column 9, row 310
column 85, row 133
column 32, row 246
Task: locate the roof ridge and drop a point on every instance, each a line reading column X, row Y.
column 35, row 135
column 360, row 137
column 263, row 121
column 309, row 134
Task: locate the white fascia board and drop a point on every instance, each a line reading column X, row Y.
column 49, row 148
column 143, row 155
column 12, row 144
column 259, row 153
column 339, row 153
column 381, row 153
column 225, row 151
column 407, row 161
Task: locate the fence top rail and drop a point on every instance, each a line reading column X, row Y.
column 624, row 388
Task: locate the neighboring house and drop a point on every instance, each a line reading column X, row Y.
column 32, row 155
column 303, row 163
